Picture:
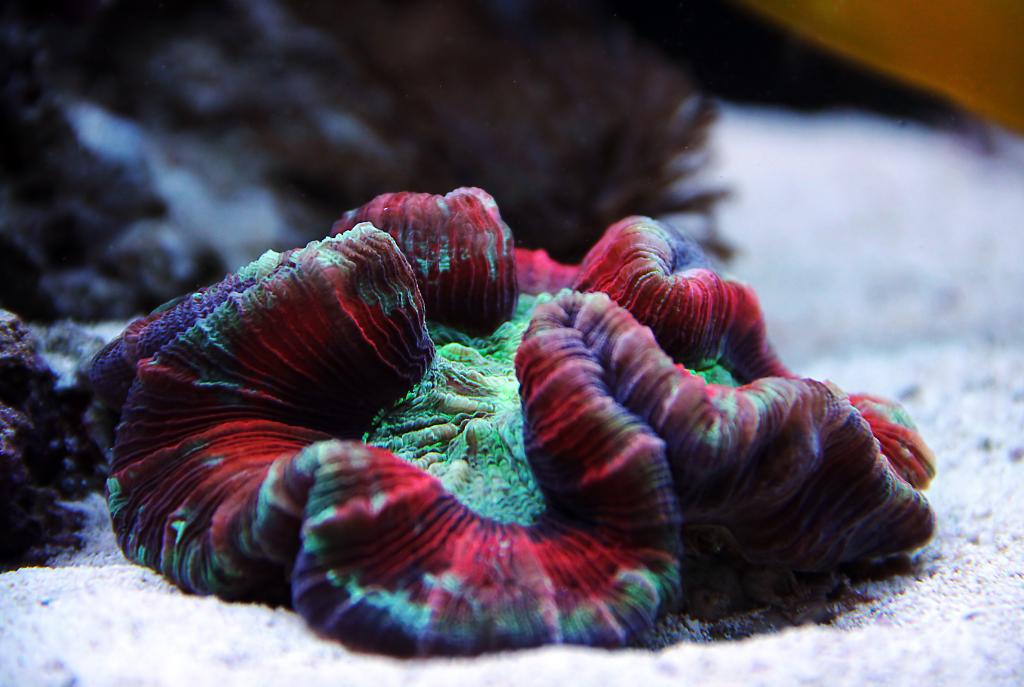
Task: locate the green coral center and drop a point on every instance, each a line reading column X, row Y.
column 463, row 422
column 715, row 373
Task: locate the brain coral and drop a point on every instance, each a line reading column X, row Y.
column 434, row 443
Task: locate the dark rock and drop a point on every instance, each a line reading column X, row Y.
column 63, row 206
column 46, row 450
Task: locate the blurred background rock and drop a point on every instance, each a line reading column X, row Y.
column 151, row 146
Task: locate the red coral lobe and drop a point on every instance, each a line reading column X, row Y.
column 786, row 465
column 313, row 348
column 899, row 440
column 699, row 318
column 460, row 250
column 457, row 583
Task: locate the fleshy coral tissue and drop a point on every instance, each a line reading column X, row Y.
column 435, row 443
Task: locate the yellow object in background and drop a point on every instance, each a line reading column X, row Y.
column 971, row 51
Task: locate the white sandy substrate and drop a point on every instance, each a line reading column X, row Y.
column 889, row 259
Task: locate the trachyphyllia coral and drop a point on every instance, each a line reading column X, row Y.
column 427, row 461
